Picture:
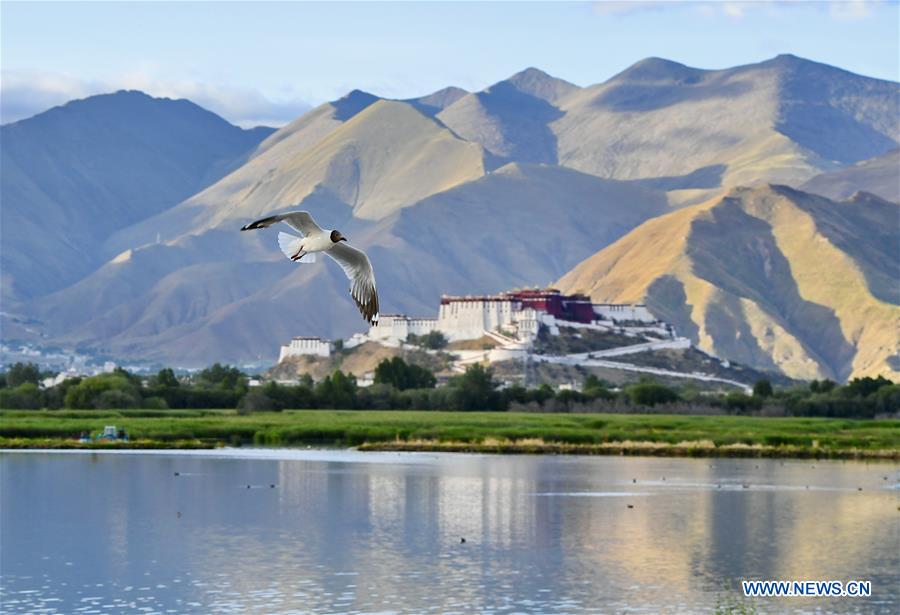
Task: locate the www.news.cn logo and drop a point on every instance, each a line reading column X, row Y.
column 792, row 589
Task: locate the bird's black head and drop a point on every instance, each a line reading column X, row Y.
column 336, row 237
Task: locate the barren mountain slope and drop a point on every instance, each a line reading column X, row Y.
column 744, row 125
column 385, row 157
column 771, row 277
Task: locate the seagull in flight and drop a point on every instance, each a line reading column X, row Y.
column 314, row 239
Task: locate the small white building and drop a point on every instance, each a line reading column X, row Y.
column 366, row 380
column 300, row 346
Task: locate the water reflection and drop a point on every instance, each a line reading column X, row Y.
column 346, row 532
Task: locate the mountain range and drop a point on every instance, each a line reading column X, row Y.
column 128, row 207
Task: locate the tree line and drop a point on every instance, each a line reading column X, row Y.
column 400, row 385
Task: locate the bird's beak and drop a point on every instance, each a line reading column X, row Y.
column 342, row 238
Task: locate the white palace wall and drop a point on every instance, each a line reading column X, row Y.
column 614, row 311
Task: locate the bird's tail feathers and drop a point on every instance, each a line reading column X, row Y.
column 290, row 244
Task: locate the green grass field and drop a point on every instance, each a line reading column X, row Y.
column 472, row 430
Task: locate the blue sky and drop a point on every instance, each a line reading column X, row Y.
column 268, row 62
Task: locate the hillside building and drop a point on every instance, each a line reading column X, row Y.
column 300, row 346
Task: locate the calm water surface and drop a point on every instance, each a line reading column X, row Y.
column 348, row 532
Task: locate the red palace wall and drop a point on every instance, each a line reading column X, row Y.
column 577, row 308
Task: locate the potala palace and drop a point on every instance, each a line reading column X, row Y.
column 508, row 326
column 517, row 313
column 512, row 319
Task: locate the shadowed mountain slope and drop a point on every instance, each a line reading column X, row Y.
column 76, row 173
column 771, row 277
column 511, row 119
column 434, row 103
column 880, row 175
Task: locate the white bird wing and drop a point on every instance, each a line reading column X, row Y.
column 358, row 268
column 298, row 220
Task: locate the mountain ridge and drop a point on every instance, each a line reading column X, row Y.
column 514, row 185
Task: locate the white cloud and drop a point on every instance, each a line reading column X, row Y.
column 25, row 93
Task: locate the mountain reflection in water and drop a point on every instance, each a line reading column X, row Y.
column 347, row 532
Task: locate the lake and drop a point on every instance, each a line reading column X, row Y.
column 333, row 531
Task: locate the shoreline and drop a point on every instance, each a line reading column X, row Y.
column 531, row 446
column 50, row 444
column 700, row 449
column 655, row 435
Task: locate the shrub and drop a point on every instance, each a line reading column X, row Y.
column 255, row 401
column 165, row 378
column 823, row 386
column 86, row 393
column 864, row 387
column 762, row 388
column 22, row 373
column 116, row 399
column 476, row 389
column 433, row 340
column 26, row 396
column 336, row 391
column 222, row 376
column 594, row 388
column 887, row 399
column 397, row 373
column 154, row 403
column 737, row 401
column 380, row 397
column 571, row 397
column 297, row 397
column 650, row 394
